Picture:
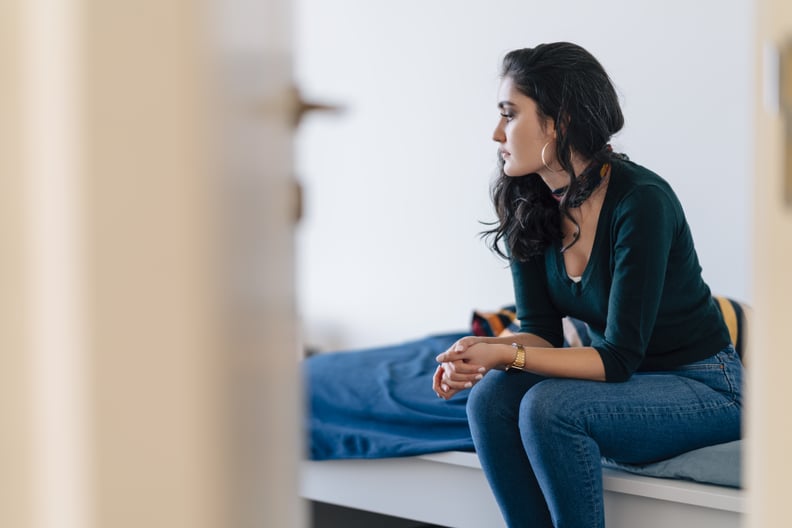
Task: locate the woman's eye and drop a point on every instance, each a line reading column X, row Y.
column 507, row 116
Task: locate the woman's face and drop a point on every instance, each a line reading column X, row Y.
column 522, row 134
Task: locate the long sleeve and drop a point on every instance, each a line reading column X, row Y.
column 645, row 229
column 535, row 310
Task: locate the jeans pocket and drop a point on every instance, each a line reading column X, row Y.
column 721, row 372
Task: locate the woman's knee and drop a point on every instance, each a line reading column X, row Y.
column 498, row 394
column 485, row 396
column 553, row 401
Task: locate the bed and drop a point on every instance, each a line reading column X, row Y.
column 380, row 440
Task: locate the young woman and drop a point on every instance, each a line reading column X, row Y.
column 592, row 235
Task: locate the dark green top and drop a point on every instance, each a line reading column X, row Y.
column 641, row 293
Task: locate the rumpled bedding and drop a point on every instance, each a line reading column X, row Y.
column 379, row 402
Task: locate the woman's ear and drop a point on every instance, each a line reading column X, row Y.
column 549, row 127
column 554, row 126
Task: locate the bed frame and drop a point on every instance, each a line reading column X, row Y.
column 449, row 489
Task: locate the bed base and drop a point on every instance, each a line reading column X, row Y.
column 449, row 489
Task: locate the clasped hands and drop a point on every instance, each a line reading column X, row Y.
column 464, row 364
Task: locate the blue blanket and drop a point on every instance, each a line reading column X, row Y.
column 379, row 402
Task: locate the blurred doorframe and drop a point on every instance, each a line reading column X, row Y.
column 150, row 373
column 768, row 419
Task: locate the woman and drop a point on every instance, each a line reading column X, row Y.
column 592, row 235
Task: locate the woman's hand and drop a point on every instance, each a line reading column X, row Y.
column 479, row 351
column 464, row 364
column 452, row 377
column 440, row 386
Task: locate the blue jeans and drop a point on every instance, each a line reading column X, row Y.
column 540, row 440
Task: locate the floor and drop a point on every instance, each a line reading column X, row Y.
column 332, row 516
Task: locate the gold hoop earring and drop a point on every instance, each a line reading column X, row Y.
column 545, row 162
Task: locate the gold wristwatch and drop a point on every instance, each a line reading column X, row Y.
column 519, row 357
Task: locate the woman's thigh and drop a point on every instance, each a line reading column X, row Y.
column 499, row 393
column 651, row 416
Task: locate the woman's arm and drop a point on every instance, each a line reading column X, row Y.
column 470, row 358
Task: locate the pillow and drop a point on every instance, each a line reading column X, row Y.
column 492, row 324
column 735, row 316
column 718, row 464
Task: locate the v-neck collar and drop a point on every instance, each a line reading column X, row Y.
column 605, row 214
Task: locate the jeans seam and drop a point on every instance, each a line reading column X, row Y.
column 595, row 504
column 727, row 375
column 666, row 412
column 710, row 366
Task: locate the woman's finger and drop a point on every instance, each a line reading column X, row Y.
column 437, row 380
column 441, row 388
column 455, row 350
column 462, row 367
column 459, row 377
column 459, row 382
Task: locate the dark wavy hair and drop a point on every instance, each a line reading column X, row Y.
column 572, row 88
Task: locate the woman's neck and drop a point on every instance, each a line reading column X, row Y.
column 560, row 179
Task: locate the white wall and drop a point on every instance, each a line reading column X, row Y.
column 395, row 186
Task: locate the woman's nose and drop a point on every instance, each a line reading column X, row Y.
column 498, row 135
